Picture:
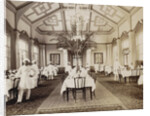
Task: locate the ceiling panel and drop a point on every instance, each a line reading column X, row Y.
column 98, row 24
column 52, row 23
column 39, row 10
column 109, row 12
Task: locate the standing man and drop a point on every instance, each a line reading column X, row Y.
column 96, row 66
column 55, row 69
column 117, row 66
column 26, row 81
column 50, row 69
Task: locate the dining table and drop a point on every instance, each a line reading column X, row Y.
column 108, row 69
column 69, row 83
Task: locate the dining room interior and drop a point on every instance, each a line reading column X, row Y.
column 89, row 57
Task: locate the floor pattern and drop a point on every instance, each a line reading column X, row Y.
column 103, row 101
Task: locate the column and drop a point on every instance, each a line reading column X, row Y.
column 42, row 55
column 13, row 49
column 119, row 53
column 65, row 54
column 132, row 48
column 17, row 50
column 109, row 54
column 88, row 57
column 31, row 44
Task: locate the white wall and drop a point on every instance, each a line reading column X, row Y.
column 100, row 48
column 24, row 26
column 100, row 38
column 124, row 27
column 137, row 17
column 53, row 49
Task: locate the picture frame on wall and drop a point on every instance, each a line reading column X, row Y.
column 55, row 58
column 98, row 58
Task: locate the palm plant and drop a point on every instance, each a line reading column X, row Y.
column 76, row 47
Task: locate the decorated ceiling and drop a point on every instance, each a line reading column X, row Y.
column 47, row 18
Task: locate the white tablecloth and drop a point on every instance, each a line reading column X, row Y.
column 108, row 69
column 140, row 80
column 126, row 73
column 9, row 85
column 69, row 82
column 101, row 68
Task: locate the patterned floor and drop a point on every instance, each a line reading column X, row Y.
column 103, row 101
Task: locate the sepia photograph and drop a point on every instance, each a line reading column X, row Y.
column 71, row 57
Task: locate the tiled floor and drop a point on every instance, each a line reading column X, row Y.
column 104, row 100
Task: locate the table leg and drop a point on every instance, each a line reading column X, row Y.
column 91, row 93
column 127, row 80
column 67, row 95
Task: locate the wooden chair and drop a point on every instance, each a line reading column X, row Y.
column 134, row 75
column 79, row 83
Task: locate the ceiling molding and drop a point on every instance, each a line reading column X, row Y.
column 26, row 20
column 59, row 32
column 63, row 17
column 89, row 26
column 123, row 20
column 49, row 32
column 23, row 9
column 10, row 6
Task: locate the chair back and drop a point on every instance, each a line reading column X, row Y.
column 79, row 82
column 134, row 72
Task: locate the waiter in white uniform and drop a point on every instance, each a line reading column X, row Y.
column 26, row 81
column 117, row 66
column 50, row 69
column 55, row 69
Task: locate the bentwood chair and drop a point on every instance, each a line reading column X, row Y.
column 79, row 83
